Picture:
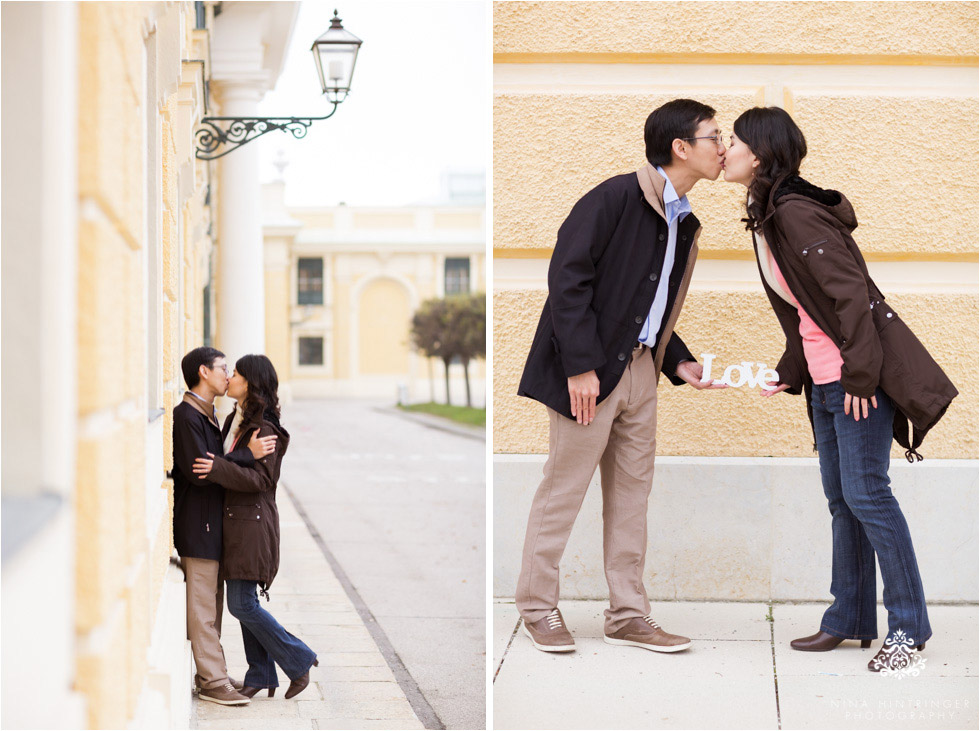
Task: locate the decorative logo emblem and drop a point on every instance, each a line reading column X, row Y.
column 898, row 657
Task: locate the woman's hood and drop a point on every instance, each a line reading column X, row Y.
column 794, row 187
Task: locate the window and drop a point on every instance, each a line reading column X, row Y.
column 457, row 276
column 310, row 286
column 311, row 351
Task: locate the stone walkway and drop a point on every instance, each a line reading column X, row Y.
column 740, row 673
column 353, row 687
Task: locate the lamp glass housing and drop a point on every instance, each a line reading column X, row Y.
column 335, row 53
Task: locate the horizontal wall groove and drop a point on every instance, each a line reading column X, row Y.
column 729, row 59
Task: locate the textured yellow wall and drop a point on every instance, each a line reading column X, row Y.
column 738, row 422
column 566, row 118
column 120, row 560
column 551, row 148
column 111, row 356
column 746, row 32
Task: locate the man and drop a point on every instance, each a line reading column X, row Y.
column 617, row 280
column 198, row 513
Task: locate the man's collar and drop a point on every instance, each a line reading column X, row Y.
column 201, row 399
column 670, row 195
column 652, row 185
column 200, row 405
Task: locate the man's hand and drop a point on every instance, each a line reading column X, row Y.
column 583, row 390
column 860, row 405
column 202, row 466
column 261, row 447
column 691, row 371
column 777, row 388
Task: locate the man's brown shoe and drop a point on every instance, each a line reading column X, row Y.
column 821, row 642
column 236, row 684
column 644, row 632
column 225, row 694
column 550, row 634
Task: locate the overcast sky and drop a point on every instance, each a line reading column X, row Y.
column 419, row 104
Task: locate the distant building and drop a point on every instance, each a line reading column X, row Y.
column 342, row 284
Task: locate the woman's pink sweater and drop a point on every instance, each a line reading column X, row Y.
column 822, row 355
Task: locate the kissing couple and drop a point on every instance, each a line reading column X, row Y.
column 618, row 276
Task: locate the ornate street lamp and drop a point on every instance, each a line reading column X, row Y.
column 334, row 53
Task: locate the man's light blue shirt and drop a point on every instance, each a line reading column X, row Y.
column 676, row 209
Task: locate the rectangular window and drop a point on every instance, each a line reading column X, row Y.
column 310, row 286
column 457, row 276
column 311, row 351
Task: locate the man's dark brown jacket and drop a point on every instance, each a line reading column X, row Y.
column 251, row 518
column 808, row 230
column 602, row 280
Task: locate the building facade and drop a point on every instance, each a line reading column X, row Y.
column 111, row 235
column 343, row 282
column 870, row 84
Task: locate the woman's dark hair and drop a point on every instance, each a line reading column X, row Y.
column 263, row 386
column 780, row 147
column 675, row 119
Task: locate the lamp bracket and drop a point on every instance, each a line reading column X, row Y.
column 217, row 136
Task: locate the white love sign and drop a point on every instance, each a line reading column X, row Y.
column 741, row 374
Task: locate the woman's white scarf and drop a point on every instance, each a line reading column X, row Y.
column 766, row 260
column 236, row 422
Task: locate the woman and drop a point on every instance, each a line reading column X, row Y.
column 250, row 558
column 864, row 373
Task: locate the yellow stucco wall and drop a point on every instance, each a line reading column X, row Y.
column 384, row 313
column 120, row 560
column 573, row 85
column 674, row 32
column 277, row 343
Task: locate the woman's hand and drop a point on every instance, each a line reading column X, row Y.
column 260, row 447
column 860, row 405
column 775, row 388
column 202, row 466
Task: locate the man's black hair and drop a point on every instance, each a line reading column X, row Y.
column 676, row 119
column 191, row 363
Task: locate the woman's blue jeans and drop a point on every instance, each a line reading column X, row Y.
column 266, row 642
column 866, row 520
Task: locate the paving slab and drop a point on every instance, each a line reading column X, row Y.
column 639, row 688
column 729, row 679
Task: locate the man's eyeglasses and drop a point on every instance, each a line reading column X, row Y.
column 718, row 139
column 223, row 367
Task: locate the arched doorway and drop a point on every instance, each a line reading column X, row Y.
column 384, row 317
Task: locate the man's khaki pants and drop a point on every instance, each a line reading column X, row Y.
column 205, row 601
column 621, row 440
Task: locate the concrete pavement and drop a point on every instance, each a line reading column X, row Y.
column 739, row 673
